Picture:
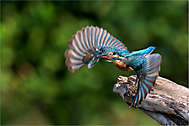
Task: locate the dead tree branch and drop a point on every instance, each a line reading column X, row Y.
column 167, row 103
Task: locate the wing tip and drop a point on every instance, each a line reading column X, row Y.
column 70, row 43
column 70, row 66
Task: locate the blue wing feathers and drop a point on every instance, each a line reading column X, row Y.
column 106, row 41
column 117, row 44
column 148, row 82
column 83, row 40
column 143, row 93
column 91, row 33
column 99, row 36
column 114, row 40
column 104, row 37
column 86, row 38
column 146, row 87
column 139, row 95
column 93, row 36
column 77, row 48
column 86, row 41
column 96, row 37
column 147, row 75
column 80, row 39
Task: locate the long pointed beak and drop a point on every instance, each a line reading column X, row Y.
column 111, row 57
column 105, row 56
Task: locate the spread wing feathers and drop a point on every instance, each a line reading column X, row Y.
column 147, row 78
column 84, row 43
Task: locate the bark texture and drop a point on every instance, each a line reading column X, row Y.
column 167, row 102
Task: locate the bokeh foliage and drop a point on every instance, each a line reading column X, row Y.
column 36, row 87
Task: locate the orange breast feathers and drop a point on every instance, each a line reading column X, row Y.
column 121, row 65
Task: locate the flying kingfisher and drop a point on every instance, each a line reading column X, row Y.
column 93, row 44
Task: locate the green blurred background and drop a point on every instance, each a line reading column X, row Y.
column 35, row 85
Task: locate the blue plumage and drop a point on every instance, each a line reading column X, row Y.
column 93, row 44
column 88, row 43
column 147, row 68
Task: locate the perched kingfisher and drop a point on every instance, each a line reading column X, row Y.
column 92, row 44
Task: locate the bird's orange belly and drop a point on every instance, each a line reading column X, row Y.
column 122, row 66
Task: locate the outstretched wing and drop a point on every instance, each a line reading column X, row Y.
column 85, row 42
column 146, row 76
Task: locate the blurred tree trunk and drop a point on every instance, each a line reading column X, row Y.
column 167, row 103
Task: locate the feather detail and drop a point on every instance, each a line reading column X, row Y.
column 84, row 44
column 146, row 79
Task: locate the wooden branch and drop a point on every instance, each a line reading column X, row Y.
column 167, row 102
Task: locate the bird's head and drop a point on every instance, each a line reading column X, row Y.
column 107, row 54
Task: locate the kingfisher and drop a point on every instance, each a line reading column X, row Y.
column 93, row 44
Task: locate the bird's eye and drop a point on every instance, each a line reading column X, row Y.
column 110, row 53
